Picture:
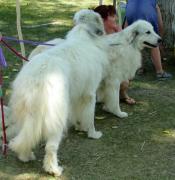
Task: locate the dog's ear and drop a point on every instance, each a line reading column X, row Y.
column 82, row 18
column 132, row 35
column 94, row 30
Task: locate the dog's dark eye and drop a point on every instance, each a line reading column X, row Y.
column 99, row 32
column 148, row 32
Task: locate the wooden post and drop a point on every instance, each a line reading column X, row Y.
column 119, row 12
column 18, row 22
column 100, row 2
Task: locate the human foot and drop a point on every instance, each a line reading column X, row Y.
column 128, row 100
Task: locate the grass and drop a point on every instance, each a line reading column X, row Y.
column 140, row 147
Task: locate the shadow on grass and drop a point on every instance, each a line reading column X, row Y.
column 138, row 147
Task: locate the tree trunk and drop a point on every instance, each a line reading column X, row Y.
column 167, row 8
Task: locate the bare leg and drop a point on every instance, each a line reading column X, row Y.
column 156, row 58
column 124, row 95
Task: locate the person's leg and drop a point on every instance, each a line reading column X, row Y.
column 123, row 93
column 156, row 58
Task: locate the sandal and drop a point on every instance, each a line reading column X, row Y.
column 128, row 100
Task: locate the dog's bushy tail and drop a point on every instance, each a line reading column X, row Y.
column 39, row 109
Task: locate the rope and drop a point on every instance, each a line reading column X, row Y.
column 4, row 138
column 26, row 41
column 13, row 50
column 2, row 40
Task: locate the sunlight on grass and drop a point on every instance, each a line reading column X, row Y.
column 2, row 23
column 31, row 24
column 169, row 132
column 82, row 3
column 36, row 176
column 146, row 85
column 167, row 135
column 87, row 3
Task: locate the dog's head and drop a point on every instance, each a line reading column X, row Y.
column 92, row 19
column 141, row 34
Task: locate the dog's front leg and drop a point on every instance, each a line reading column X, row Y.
column 111, row 99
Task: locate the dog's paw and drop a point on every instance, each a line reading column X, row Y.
column 26, row 158
column 32, row 156
column 55, row 171
column 122, row 114
column 80, row 128
column 105, row 108
column 95, row 134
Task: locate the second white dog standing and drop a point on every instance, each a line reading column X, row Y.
column 125, row 58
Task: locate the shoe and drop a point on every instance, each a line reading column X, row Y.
column 164, row 76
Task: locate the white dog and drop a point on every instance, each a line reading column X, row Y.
column 124, row 61
column 61, row 83
column 84, row 16
column 54, row 86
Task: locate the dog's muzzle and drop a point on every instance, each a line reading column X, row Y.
column 159, row 40
column 150, row 45
column 153, row 45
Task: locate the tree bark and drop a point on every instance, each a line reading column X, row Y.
column 167, row 8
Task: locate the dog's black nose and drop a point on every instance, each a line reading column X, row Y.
column 159, row 40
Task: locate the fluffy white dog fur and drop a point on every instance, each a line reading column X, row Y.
column 60, row 84
column 124, row 61
column 84, row 16
column 40, row 48
column 56, row 86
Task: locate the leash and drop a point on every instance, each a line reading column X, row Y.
column 13, row 50
column 26, row 41
column 4, row 64
column 3, row 40
column 4, row 137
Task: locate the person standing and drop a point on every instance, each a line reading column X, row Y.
column 148, row 10
column 109, row 16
